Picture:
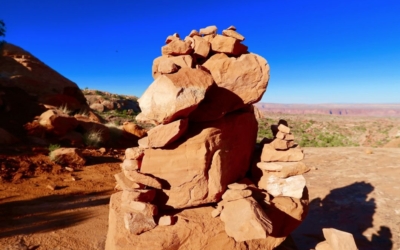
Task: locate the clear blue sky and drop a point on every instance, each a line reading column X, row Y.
column 325, row 51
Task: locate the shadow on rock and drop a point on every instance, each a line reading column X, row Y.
column 347, row 209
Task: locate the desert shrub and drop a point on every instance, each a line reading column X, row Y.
column 65, row 110
column 51, row 148
column 115, row 132
column 93, row 138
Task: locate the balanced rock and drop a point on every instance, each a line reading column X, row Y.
column 233, row 34
column 194, row 33
column 284, row 169
column 201, row 46
column 245, row 220
column 185, row 61
column 163, row 135
column 137, row 177
column 144, row 208
column 174, row 96
column 126, row 184
column 231, row 195
column 131, row 165
column 208, row 30
column 269, row 154
column 177, row 47
column 227, row 45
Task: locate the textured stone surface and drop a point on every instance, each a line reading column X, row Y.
column 134, row 153
column 227, row 45
column 174, row 96
column 137, row 223
column 176, row 47
column 245, row 220
column 57, row 122
column 210, row 156
column 231, row 195
column 194, row 229
column 339, row 240
column 137, row 177
column 163, row 135
column 233, row 34
column 208, row 30
column 144, row 195
column 68, row 156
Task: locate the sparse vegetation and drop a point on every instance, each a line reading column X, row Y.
column 51, row 148
column 93, row 138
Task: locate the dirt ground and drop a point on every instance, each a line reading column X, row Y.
column 349, row 190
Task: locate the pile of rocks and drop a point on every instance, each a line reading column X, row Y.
column 199, row 152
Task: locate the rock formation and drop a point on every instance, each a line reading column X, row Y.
column 199, row 152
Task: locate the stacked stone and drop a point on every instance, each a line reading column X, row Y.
column 203, row 140
column 281, row 165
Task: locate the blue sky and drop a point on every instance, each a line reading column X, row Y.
column 319, row 51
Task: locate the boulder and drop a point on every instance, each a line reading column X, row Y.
column 166, row 220
column 283, row 128
column 279, row 144
column 134, row 129
column 339, row 240
column 201, row 47
column 56, row 122
column 199, row 166
column 228, row 45
column 292, row 186
column 194, row 229
column 109, row 105
column 143, row 143
column 174, row 96
column 68, row 156
column 177, row 47
column 237, row 186
column 245, row 220
column 269, row 154
column 209, row 30
column 6, row 138
column 233, row 34
column 163, row 135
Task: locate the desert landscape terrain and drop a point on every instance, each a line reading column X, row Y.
column 182, row 166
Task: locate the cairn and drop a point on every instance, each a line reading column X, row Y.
column 200, row 150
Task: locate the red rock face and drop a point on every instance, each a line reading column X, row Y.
column 197, row 169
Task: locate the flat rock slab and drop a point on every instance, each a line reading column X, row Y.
column 194, row 229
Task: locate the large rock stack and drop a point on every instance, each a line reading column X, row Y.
column 204, row 138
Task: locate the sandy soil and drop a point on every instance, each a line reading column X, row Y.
column 350, row 190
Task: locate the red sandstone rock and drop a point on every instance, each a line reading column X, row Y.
column 126, row 184
column 68, row 156
column 284, row 169
column 137, row 177
column 194, row 33
column 176, row 48
column 279, row 144
column 166, row 220
column 183, row 235
column 199, row 168
column 185, row 61
column 237, row 186
column 324, row 245
column 201, row 46
column 137, row 223
column 144, row 208
column 174, row 96
column 97, row 106
column 283, row 129
column 143, row 195
column 208, row 30
column 269, row 154
column 134, row 153
column 134, row 129
column 130, row 165
column 163, row 135
column 167, row 67
column 233, row 34
column 228, row 45
column 172, row 38
column 246, row 76
column 231, row 195
column 57, row 122
column 231, row 27
column 339, row 240
column 245, row 220
column 292, row 186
